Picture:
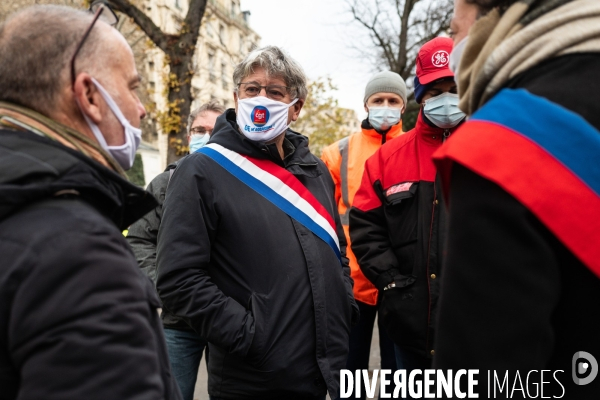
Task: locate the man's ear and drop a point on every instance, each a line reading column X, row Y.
column 87, row 95
column 235, row 101
column 296, row 109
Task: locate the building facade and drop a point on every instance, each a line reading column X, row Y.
column 225, row 38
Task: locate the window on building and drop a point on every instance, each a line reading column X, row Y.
column 242, row 50
column 224, row 79
column 209, row 29
column 211, row 67
column 177, row 4
column 233, row 9
column 151, row 65
column 222, row 33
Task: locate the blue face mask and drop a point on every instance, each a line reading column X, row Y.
column 382, row 118
column 443, row 110
column 198, row 141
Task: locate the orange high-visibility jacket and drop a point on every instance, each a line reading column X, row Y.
column 346, row 161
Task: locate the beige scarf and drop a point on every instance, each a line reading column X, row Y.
column 21, row 118
column 502, row 46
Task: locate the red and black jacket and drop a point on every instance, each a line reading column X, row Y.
column 395, row 231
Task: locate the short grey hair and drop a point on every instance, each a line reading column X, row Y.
column 211, row 106
column 36, row 46
column 277, row 63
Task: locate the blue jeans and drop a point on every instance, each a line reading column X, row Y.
column 185, row 353
column 409, row 360
column 360, row 343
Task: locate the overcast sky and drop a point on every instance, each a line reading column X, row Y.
column 320, row 35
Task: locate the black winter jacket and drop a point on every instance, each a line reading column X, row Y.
column 269, row 296
column 78, row 319
column 143, row 236
column 513, row 296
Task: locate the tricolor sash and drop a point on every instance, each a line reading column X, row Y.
column 281, row 188
column 545, row 156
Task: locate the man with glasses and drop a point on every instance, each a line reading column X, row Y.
column 251, row 251
column 185, row 346
column 78, row 319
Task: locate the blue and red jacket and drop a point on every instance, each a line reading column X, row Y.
column 559, row 184
column 520, row 289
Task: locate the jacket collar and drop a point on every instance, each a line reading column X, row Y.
column 298, row 160
column 429, row 132
column 51, row 169
column 368, row 130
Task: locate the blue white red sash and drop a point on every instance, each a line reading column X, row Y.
column 281, row 188
column 543, row 155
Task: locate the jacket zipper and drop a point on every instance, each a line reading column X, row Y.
column 428, row 276
column 446, row 135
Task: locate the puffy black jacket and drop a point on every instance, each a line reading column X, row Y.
column 78, row 319
column 270, row 297
column 397, row 231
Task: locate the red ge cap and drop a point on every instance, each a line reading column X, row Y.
column 433, row 60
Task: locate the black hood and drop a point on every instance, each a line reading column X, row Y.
column 34, row 168
column 227, row 134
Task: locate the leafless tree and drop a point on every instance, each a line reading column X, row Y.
column 398, row 28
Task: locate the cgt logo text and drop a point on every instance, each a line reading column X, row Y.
column 463, row 383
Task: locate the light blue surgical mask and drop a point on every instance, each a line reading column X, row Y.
column 382, row 118
column 443, row 110
column 198, row 141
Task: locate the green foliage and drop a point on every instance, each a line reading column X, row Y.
column 321, row 119
column 136, row 173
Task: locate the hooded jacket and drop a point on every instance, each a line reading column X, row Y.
column 396, row 229
column 76, row 313
column 270, row 297
column 346, row 160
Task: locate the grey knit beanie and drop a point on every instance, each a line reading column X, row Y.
column 386, row 81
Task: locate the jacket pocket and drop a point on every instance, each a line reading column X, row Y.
column 259, row 307
column 400, row 311
column 401, row 215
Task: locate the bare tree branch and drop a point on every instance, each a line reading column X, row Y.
column 154, row 33
column 398, row 28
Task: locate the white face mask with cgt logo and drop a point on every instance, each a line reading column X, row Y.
column 261, row 119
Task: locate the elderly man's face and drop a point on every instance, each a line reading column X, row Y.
column 259, row 77
column 464, row 17
column 120, row 79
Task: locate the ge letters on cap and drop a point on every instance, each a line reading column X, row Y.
column 440, row 58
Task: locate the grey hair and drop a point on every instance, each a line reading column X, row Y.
column 277, row 63
column 211, row 106
column 36, row 45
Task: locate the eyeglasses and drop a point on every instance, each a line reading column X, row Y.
column 200, row 131
column 274, row 92
column 110, row 18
